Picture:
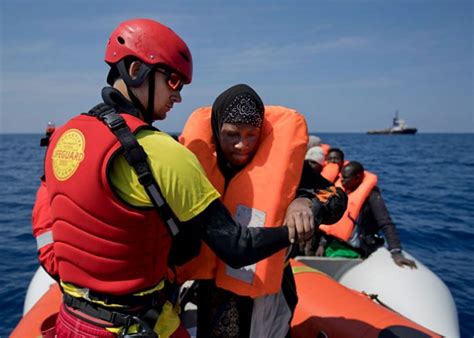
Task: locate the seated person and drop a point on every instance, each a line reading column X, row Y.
column 333, row 199
column 336, row 155
column 364, row 218
column 333, row 165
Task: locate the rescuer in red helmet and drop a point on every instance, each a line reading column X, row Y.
column 126, row 203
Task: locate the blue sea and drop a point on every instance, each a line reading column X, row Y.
column 427, row 181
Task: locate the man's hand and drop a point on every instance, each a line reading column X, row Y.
column 299, row 219
column 401, row 260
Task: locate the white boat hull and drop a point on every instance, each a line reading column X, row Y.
column 39, row 284
column 418, row 294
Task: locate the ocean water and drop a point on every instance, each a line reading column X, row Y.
column 427, row 181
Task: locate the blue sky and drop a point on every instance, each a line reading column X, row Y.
column 346, row 65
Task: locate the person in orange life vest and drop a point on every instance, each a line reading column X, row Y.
column 127, row 202
column 238, row 142
column 372, row 219
column 333, row 164
column 336, row 155
column 333, row 198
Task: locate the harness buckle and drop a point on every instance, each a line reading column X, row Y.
column 145, row 177
column 113, row 120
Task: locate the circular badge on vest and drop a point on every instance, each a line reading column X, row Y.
column 68, row 154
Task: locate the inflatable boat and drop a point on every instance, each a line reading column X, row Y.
column 374, row 297
column 337, row 298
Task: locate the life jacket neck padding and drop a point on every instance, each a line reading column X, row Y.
column 344, row 227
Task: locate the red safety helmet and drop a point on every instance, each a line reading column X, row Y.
column 152, row 43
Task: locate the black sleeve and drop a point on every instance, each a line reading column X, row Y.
column 310, row 180
column 333, row 204
column 185, row 245
column 235, row 245
column 382, row 217
column 333, row 201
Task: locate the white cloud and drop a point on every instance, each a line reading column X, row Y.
column 269, row 56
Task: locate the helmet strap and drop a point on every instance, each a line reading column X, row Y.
column 151, row 98
column 144, row 72
column 148, row 112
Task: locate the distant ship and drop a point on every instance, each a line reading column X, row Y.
column 398, row 127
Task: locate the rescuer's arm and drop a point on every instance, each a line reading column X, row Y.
column 42, row 231
column 237, row 246
column 195, row 203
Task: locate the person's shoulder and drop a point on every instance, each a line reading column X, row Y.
column 323, row 183
column 155, row 136
column 154, row 140
column 165, row 149
column 375, row 195
column 375, row 191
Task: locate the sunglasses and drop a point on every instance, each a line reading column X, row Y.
column 173, row 80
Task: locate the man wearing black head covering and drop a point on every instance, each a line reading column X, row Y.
column 238, row 104
column 221, row 312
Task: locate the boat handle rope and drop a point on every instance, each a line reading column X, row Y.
column 375, row 297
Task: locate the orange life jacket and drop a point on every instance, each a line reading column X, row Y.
column 330, row 171
column 344, row 227
column 257, row 196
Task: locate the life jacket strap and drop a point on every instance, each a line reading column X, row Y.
column 115, row 318
column 137, row 158
column 148, row 298
column 96, row 311
column 154, row 299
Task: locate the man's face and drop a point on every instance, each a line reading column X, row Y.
column 165, row 96
column 350, row 179
column 167, row 90
column 335, row 157
column 239, row 142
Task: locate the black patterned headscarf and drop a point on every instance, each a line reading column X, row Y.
column 238, row 104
